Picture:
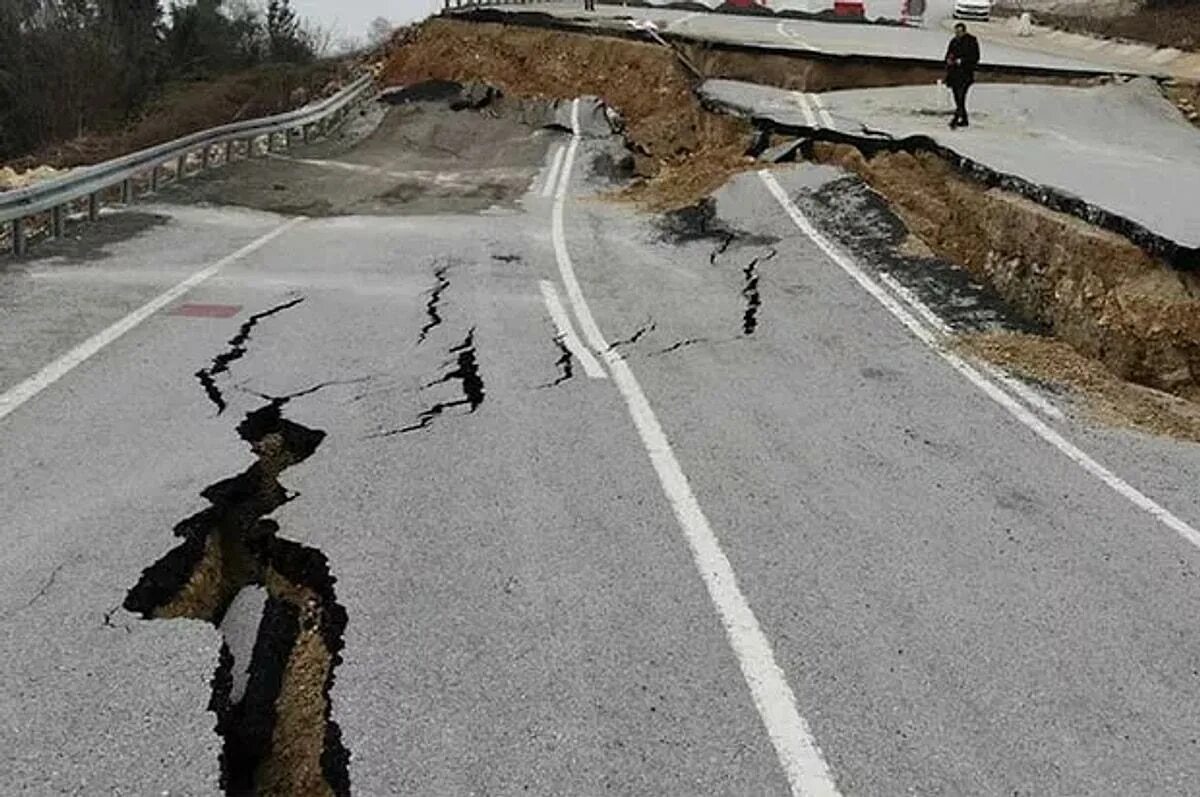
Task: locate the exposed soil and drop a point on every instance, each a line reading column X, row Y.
column 1177, row 26
column 805, row 73
column 665, row 121
column 1096, row 290
column 1186, row 97
column 1110, row 399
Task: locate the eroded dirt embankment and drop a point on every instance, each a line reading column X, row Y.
column 1098, row 291
column 666, row 127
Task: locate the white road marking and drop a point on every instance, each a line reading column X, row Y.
column 552, row 177
column 923, row 309
column 798, row 753
column 992, row 390
column 15, row 397
column 826, row 119
column 787, row 33
column 566, row 331
column 683, row 19
column 809, row 117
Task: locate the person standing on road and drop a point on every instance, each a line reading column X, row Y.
column 962, row 56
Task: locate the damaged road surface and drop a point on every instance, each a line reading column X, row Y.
column 549, row 494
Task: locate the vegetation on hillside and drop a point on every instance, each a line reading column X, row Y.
column 74, row 68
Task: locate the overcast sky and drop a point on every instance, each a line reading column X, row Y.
column 351, row 17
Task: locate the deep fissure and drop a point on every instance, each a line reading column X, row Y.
column 278, row 737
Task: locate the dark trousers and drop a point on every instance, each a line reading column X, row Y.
column 960, row 101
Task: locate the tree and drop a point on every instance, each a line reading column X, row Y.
column 135, row 35
column 379, row 31
column 285, row 39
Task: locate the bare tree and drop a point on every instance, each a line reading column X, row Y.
column 379, row 31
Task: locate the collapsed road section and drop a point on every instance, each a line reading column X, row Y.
column 1107, row 273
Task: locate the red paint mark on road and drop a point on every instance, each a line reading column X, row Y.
column 207, row 310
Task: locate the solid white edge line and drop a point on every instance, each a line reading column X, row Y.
column 922, row 309
column 566, row 331
column 801, row 759
column 23, row 392
column 686, row 18
column 552, row 177
column 993, row 391
column 826, row 119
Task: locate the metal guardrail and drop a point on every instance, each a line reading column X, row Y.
column 91, row 182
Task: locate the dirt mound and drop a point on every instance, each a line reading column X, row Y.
column 1096, row 290
column 645, row 82
column 1110, row 399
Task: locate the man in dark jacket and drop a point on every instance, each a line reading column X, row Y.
column 962, row 56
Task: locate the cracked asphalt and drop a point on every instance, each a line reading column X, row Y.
column 957, row 607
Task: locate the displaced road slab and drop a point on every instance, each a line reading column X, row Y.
column 823, row 38
column 1121, row 148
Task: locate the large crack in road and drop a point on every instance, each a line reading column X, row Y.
column 278, row 738
column 271, row 698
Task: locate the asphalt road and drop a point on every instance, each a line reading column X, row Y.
column 777, row 538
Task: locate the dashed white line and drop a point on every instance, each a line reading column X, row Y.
column 801, row 759
column 989, row 388
column 552, row 177
column 566, row 331
column 809, row 117
column 23, row 392
column 826, row 119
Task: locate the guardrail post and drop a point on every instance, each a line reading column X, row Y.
column 18, row 236
column 93, row 206
column 154, row 178
column 206, row 159
column 56, row 221
column 228, row 152
column 126, row 191
column 180, row 167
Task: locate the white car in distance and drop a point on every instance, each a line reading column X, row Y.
column 979, row 10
